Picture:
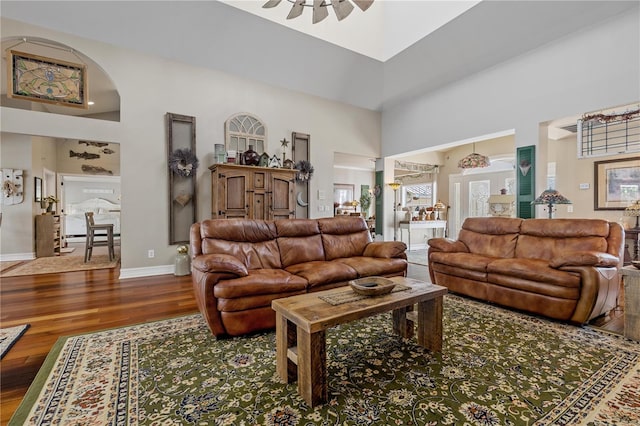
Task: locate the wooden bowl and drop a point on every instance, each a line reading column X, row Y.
column 372, row 286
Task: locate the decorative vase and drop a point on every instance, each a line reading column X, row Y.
column 251, row 158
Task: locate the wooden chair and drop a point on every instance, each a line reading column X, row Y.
column 92, row 227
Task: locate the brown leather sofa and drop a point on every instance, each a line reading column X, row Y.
column 565, row 269
column 240, row 265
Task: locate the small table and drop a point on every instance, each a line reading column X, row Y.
column 631, row 279
column 422, row 224
column 302, row 321
column 633, row 236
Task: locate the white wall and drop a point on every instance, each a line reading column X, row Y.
column 592, row 69
column 16, row 230
column 149, row 87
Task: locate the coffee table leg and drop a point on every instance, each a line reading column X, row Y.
column 285, row 339
column 401, row 325
column 312, row 367
column 430, row 324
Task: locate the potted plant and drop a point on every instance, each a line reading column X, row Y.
column 48, row 202
column 365, row 203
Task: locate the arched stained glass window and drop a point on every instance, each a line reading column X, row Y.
column 243, row 130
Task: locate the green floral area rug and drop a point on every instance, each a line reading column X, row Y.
column 497, row 368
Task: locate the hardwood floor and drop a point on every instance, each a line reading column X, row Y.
column 72, row 303
column 79, row 302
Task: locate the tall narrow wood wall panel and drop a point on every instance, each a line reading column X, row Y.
column 301, row 151
column 181, row 134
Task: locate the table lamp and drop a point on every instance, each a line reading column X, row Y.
column 634, row 211
column 395, row 186
column 551, row 197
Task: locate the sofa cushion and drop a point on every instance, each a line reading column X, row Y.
column 584, row 258
column 252, row 302
column 322, row 272
column 344, row 236
column 260, row 281
column 371, row 266
column 494, row 238
column 299, row 241
column 532, row 270
column 253, row 242
column 386, row 249
column 463, row 261
column 549, row 239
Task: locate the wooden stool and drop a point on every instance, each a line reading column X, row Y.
column 92, row 227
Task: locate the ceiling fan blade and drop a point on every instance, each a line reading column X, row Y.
column 342, row 8
column 363, row 4
column 297, row 9
column 319, row 11
column 271, row 3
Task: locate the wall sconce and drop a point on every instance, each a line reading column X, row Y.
column 395, row 186
column 551, row 197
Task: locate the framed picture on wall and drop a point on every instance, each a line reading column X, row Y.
column 37, row 189
column 617, row 183
column 40, row 79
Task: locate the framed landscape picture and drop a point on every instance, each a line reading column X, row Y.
column 617, row 183
column 40, row 79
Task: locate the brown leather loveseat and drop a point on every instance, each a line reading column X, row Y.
column 565, row 269
column 240, row 265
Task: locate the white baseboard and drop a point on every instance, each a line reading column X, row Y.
column 17, row 256
column 148, row 271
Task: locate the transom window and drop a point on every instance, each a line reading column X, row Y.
column 244, row 130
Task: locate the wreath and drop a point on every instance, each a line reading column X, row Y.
column 183, row 162
column 305, row 171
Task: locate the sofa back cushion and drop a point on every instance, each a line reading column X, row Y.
column 253, row 242
column 549, row 238
column 344, row 236
column 490, row 236
column 299, row 241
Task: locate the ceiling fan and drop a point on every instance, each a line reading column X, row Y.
column 342, row 8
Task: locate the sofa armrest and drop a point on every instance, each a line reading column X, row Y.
column 220, row 263
column 447, row 245
column 387, row 249
column 584, row 258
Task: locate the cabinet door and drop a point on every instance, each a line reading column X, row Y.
column 259, row 195
column 282, row 186
column 233, row 191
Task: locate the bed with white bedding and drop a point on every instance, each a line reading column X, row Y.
column 104, row 211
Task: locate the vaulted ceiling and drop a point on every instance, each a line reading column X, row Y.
column 216, row 35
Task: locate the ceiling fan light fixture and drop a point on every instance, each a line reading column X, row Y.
column 296, row 9
column 320, row 11
column 342, row 8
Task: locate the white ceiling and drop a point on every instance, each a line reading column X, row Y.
column 215, row 35
column 382, row 31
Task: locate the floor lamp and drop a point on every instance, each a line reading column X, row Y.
column 395, row 186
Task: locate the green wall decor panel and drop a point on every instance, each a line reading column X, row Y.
column 379, row 201
column 526, row 181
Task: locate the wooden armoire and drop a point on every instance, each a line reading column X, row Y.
column 249, row 192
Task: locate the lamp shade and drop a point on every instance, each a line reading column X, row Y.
column 551, row 196
column 473, row 161
column 634, row 211
column 395, row 185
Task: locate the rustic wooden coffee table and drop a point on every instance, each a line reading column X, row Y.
column 302, row 321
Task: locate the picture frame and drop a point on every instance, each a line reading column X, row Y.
column 37, row 189
column 616, row 183
column 343, row 195
column 41, row 79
